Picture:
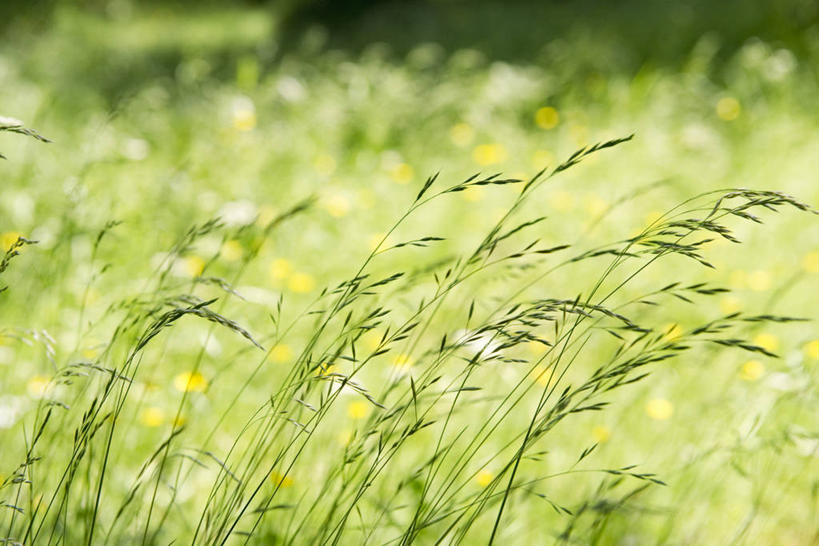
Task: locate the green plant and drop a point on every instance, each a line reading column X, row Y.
column 435, row 360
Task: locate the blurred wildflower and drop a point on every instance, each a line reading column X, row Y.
column 472, row 194
column 376, row 238
column 39, row 386
column 759, row 280
column 728, row 108
column 244, row 114
column 769, row 342
column 280, row 480
column 92, row 350
column 280, row 269
column 232, row 250
column 536, row 348
column 659, row 409
column 484, row 477
column 281, row 353
column 489, row 154
column 358, row 409
column 402, row 173
column 7, row 239
column 730, row 304
column 547, row 117
column 541, row 375
column 301, row 283
column 152, row 417
column 190, row 382
column 337, row 205
column 752, row 370
column 812, row 349
column 601, row 434
column 461, row 134
column 403, row 363
column 672, row 332
column 238, row 213
column 372, row 339
column 810, row 262
column 192, row 266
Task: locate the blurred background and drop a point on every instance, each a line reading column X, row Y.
column 166, row 113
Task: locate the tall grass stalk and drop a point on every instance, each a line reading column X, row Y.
column 436, row 359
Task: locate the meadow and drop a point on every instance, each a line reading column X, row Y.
column 377, row 284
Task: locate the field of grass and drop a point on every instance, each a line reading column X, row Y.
column 275, row 285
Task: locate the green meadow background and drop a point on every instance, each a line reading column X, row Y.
column 164, row 115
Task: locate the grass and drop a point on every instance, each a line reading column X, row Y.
column 463, row 384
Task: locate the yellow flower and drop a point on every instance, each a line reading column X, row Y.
column 190, row 382
column 232, row 250
column 728, row 108
column 372, row 339
column 39, row 386
column 810, row 262
column 730, row 304
column 7, row 239
column 759, row 280
column 402, row 173
column 536, row 348
column 672, row 332
column 489, row 154
column 244, row 116
column 301, row 283
column 601, row 434
column 193, row 266
column 325, row 164
column 337, row 205
column 547, row 117
column 358, row 409
column 484, row 477
column 541, row 375
column 812, row 349
column 281, row 353
column 659, row 409
column 281, row 481
column 473, row 194
column 768, row 342
column 403, row 362
column 376, row 238
column 461, row 134
column 152, row 417
column 752, row 370
column 325, row 370
column 280, row 269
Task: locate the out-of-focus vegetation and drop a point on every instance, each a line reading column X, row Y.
column 166, row 114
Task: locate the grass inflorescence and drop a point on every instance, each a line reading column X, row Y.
column 401, row 405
